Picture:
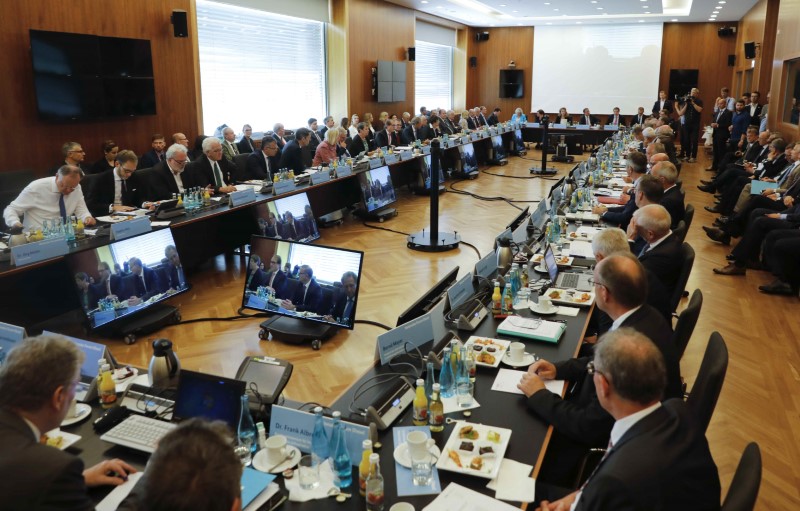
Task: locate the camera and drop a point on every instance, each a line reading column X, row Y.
column 686, row 98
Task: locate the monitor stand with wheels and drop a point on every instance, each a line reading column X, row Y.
column 295, row 331
column 379, row 215
column 151, row 319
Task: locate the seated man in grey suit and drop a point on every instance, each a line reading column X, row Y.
column 657, row 457
column 37, row 385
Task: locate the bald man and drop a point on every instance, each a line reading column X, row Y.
column 662, row 251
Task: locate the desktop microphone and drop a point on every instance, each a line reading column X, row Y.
column 434, row 359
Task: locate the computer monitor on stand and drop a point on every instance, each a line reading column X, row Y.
column 498, row 151
column 468, row 162
column 423, row 187
column 377, row 194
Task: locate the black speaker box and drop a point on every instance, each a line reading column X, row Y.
column 731, row 60
column 180, row 23
column 750, row 50
column 482, row 36
column 412, row 54
column 473, row 62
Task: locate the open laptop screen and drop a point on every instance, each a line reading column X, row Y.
column 550, row 264
column 208, row 396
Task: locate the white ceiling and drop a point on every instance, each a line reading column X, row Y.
column 510, row 13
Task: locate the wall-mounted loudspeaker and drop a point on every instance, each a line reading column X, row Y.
column 726, row 31
column 750, row 50
column 180, row 23
column 482, row 36
column 731, row 60
column 473, row 62
column 412, row 54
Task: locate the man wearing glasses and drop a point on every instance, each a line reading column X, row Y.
column 620, row 287
column 168, row 177
column 307, row 296
column 110, row 192
column 73, row 155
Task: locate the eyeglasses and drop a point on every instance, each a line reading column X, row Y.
column 180, row 162
column 303, row 273
column 128, row 171
column 596, row 283
column 591, row 369
column 77, row 151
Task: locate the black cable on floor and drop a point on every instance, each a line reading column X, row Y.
column 373, row 323
column 385, row 229
column 504, row 175
column 480, row 197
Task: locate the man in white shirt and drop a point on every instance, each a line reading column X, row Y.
column 49, row 198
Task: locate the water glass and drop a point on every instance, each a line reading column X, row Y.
column 243, row 451
column 422, row 469
column 308, row 472
column 464, row 394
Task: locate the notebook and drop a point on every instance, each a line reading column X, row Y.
column 565, row 280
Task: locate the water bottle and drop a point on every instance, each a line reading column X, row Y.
column 342, row 465
column 429, row 380
column 446, row 378
column 319, row 439
column 246, row 433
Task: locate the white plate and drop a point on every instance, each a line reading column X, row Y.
column 402, row 457
column 570, row 297
column 69, row 438
column 491, row 465
column 500, row 344
column 534, row 306
column 527, row 359
column 540, row 269
column 83, row 412
column 261, row 463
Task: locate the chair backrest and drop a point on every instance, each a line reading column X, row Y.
column 11, row 184
column 687, row 258
column 240, row 160
column 686, row 322
column 688, row 215
column 703, row 398
column 743, row 490
column 680, row 230
column 144, row 178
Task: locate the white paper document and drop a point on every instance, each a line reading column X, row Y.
column 513, row 482
column 451, row 405
column 118, row 494
column 507, row 380
column 459, row 498
column 581, row 249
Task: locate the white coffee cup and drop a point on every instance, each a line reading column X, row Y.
column 545, row 303
column 402, row 506
column 276, row 448
column 419, row 444
column 517, row 351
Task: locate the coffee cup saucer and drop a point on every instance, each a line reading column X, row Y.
column 262, row 463
column 83, row 411
column 526, row 360
column 403, row 456
column 534, row 306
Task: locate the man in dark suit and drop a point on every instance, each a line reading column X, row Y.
column 639, row 118
column 472, row 121
column 171, row 176
column 587, row 118
column 411, row 133
column 308, row 296
column 449, row 125
column 344, row 305
column 672, row 199
column 329, row 123
column 292, row 229
column 481, row 116
column 662, row 252
column 309, row 223
column 729, row 169
column 246, row 144
column 275, row 279
column 755, row 107
column 292, row 153
column 721, row 133
column 662, row 103
column 229, row 147
column 176, row 278
column 657, row 457
column 431, row 129
column 615, row 119
column 255, row 275
column 360, row 143
column 388, row 137
column 145, row 281
column 269, row 226
column 73, row 155
column 277, row 133
column 213, row 170
column 621, row 215
column 34, row 476
column 316, row 138
column 88, row 294
column 155, row 155
column 115, row 191
column 110, row 284
column 494, row 119
column 580, row 422
column 262, row 163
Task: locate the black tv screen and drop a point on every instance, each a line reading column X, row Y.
column 288, row 218
column 377, row 190
column 511, row 83
column 83, row 77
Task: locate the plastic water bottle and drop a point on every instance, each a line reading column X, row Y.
column 319, row 439
column 342, row 465
column 446, row 377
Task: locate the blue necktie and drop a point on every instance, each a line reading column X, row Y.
column 62, row 208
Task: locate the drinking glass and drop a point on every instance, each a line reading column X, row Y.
column 308, row 472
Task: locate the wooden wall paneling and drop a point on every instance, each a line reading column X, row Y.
column 697, row 46
column 461, row 70
column 787, row 47
column 174, row 69
column 503, row 46
column 338, row 61
column 751, row 28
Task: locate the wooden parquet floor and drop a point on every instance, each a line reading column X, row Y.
column 760, row 400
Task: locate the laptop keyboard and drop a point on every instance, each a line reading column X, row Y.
column 570, row 280
column 138, row 432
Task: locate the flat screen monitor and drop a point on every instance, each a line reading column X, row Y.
column 519, row 142
column 459, row 292
column 429, row 299
column 377, row 190
column 512, row 83
column 468, row 159
column 497, row 147
column 520, row 234
column 303, row 281
column 119, row 280
column 426, row 172
column 209, row 397
column 289, row 218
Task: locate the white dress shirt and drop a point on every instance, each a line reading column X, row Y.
column 39, row 202
column 117, row 189
column 618, row 322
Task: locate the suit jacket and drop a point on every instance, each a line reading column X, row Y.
column 310, row 226
column 90, row 298
column 337, row 310
column 256, row 279
column 448, row 127
column 493, row 120
column 621, row 215
column 151, row 159
column 37, row 477
column 100, row 166
column 772, row 168
column 246, row 145
column 312, row 298
column 668, row 106
column 99, row 193
column 473, row 123
column 382, row 139
column 204, row 172
column 672, row 200
column 428, row 133
column 592, row 119
column 661, row 463
column 482, row 121
column 621, row 120
column 279, row 284
column 358, row 145
column 229, row 151
column 665, row 261
column 256, row 166
column 152, row 282
column 292, row 157
column 280, row 142
column 315, row 140
column 409, row 136
column 723, row 121
column 757, row 113
column 117, row 286
column 162, row 185
column 638, row 119
column 173, row 279
column 294, row 231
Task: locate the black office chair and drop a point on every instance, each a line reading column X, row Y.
column 703, row 398
column 687, row 258
column 11, row 184
column 688, row 216
column 743, row 491
column 684, row 327
column 143, row 178
column 680, row 230
column 240, row 160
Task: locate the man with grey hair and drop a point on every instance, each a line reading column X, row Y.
column 172, row 176
column 37, row 385
column 229, row 148
column 278, row 131
column 657, row 458
column 672, row 200
column 329, row 123
column 212, row 169
column 49, row 198
column 662, row 251
column 344, row 305
column 73, row 154
column 411, row 133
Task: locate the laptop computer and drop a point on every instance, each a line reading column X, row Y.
column 565, row 280
column 93, row 352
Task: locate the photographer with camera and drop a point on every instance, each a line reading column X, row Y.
column 690, row 107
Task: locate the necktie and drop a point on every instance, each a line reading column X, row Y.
column 181, row 280
column 234, row 149
column 347, row 308
column 62, row 208
column 217, row 175
column 108, row 288
column 305, row 292
column 144, row 286
column 605, row 455
column 644, row 249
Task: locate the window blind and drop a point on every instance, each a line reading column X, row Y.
column 328, row 265
column 148, row 247
column 433, row 76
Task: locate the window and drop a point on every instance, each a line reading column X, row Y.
column 433, row 76
column 259, row 68
column 149, row 248
column 791, row 105
column 328, row 265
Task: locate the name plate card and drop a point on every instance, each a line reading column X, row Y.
column 582, row 127
column 492, row 131
column 465, row 139
column 244, row 196
column 426, row 149
column 445, row 143
column 393, row 342
column 322, row 176
column 344, row 171
column 40, row 250
column 298, row 426
column 128, row 228
column 10, row 335
column 374, row 163
column 559, row 126
column 474, row 136
column 611, row 127
column 390, row 158
column 406, row 155
column 287, row 185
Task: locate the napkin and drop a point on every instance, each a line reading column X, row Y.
column 513, row 482
column 297, row 494
column 568, row 311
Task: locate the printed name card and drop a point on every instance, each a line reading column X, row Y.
column 40, row 250
column 475, row 136
column 390, row 158
column 582, row 126
column 244, row 196
column 374, row 163
column 559, row 126
column 297, row 426
column 492, row 131
column 128, row 228
column 465, row 139
column 393, row 342
column 287, row 185
column 320, row 177
column 426, row 149
column 445, row 143
column 406, row 155
column 10, row 335
column 344, row 171
column 611, row 127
